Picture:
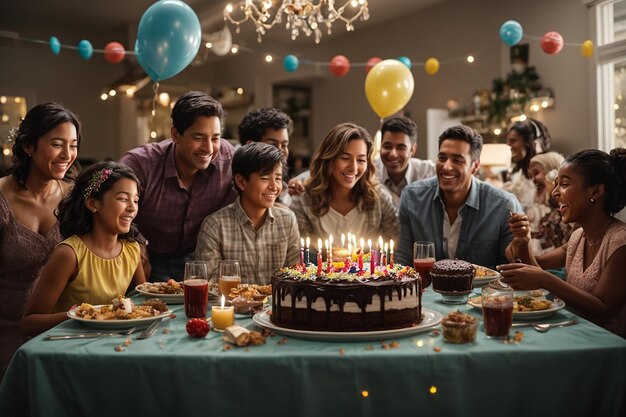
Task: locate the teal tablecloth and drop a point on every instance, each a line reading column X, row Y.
column 572, row 371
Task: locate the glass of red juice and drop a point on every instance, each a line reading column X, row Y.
column 497, row 302
column 423, row 260
column 196, row 289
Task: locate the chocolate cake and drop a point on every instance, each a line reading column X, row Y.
column 346, row 300
column 452, row 275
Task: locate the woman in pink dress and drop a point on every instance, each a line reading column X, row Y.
column 45, row 147
column 589, row 191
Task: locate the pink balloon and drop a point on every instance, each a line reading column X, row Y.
column 114, row 52
column 339, row 66
column 552, row 43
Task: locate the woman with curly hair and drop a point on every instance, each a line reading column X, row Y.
column 342, row 194
column 589, row 191
column 45, row 147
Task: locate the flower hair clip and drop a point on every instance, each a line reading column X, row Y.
column 97, row 179
column 13, row 133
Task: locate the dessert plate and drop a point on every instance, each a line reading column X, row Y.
column 557, row 305
column 116, row 324
column 484, row 275
column 168, row 298
column 431, row 319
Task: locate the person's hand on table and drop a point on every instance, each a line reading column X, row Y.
column 295, row 187
column 521, row 276
column 520, row 228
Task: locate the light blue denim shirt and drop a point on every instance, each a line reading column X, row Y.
column 485, row 230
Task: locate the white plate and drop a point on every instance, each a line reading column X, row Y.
column 431, row 319
column 116, row 324
column 482, row 281
column 168, row 298
column 557, row 305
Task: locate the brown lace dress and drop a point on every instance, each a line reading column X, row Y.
column 22, row 256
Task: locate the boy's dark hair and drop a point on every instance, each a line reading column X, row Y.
column 401, row 125
column 466, row 134
column 257, row 157
column 255, row 123
column 193, row 104
column 38, row 121
column 74, row 216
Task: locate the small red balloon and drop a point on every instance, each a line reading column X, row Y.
column 339, row 65
column 114, row 52
column 552, row 43
column 371, row 62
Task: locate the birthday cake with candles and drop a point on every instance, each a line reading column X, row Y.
column 346, row 296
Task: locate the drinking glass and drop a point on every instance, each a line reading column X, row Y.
column 497, row 302
column 230, row 276
column 423, row 260
column 196, row 287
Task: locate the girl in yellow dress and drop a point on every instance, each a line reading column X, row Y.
column 99, row 258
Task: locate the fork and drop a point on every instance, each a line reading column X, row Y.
column 89, row 335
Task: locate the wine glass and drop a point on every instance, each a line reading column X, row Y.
column 423, row 260
column 230, row 276
column 196, row 289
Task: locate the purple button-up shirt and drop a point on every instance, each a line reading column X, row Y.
column 170, row 215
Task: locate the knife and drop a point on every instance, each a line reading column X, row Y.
column 150, row 330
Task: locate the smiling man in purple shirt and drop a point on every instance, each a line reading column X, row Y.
column 184, row 179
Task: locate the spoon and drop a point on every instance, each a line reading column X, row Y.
column 544, row 327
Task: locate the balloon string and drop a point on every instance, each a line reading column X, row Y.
column 155, row 88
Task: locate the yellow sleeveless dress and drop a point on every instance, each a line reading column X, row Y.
column 98, row 280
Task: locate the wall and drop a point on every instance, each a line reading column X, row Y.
column 446, row 30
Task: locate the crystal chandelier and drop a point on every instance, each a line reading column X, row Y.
column 300, row 15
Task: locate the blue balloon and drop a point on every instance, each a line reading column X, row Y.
column 406, row 61
column 168, row 39
column 85, row 50
column 290, row 63
column 511, row 32
column 55, row 45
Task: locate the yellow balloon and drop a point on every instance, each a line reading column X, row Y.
column 388, row 87
column 431, row 66
column 586, row 49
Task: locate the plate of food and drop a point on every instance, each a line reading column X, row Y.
column 430, row 319
column 249, row 299
column 121, row 314
column 528, row 305
column 171, row 291
column 483, row 275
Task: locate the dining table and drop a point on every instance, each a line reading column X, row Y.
column 577, row 370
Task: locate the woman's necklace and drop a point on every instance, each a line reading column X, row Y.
column 592, row 244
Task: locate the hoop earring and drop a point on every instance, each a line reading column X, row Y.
column 591, row 200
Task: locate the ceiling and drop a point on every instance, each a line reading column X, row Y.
column 89, row 16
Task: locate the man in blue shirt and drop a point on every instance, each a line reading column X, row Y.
column 465, row 217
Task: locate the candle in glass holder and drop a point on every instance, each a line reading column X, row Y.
column 222, row 316
column 391, row 253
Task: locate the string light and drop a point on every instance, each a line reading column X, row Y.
column 240, row 91
column 3, row 99
column 365, row 393
column 209, row 45
column 268, row 58
column 470, row 59
column 432, row 389
column 153, row 134
column 497, row 131
column 112, row 93
column 104, row 96
column 234, row 49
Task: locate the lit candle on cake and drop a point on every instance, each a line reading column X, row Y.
column 380, row 244
column 330, row 248
column 361, row 255
column 302, row 252
column 383, row 261
column 222, row 316
column 319, row 257
column 307, row 252
column 372, row 259
column 391, row 253
column 327, row 255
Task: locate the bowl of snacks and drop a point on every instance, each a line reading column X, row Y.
column 459, row 327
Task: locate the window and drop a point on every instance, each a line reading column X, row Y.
column 610, row 30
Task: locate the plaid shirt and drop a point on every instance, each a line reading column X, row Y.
column 170, row 215
column 417, row 169
column 228, row 234
column 382, row 220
